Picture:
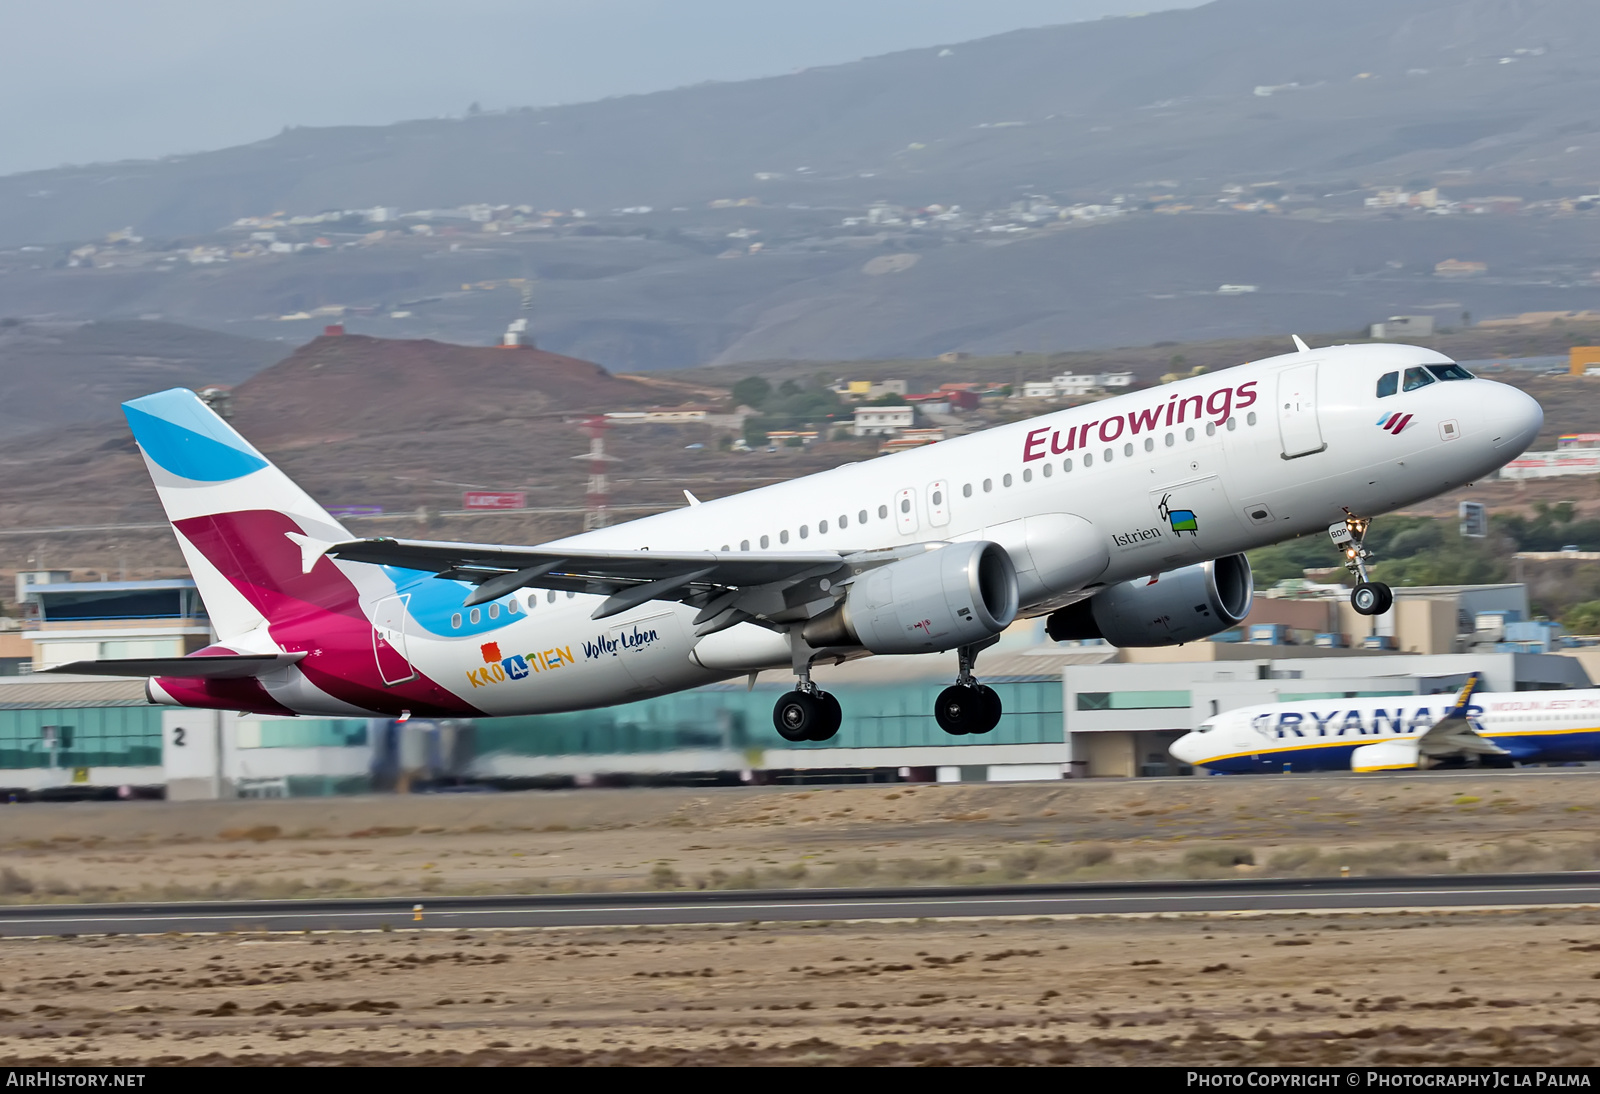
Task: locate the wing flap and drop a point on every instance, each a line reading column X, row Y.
column 232, row 666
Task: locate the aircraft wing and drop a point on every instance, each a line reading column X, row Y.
column 729, row 588
column 220, row 666
column 1453, row 734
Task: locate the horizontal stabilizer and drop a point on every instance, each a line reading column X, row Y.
column 232, row 666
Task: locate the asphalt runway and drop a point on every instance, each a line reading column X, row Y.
column 792, row 905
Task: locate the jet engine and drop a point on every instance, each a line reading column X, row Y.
column 1178, row 606
column 953, row 596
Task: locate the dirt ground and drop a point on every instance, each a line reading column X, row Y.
column 1511, row 986
column 764, row 837
column 1466, row 987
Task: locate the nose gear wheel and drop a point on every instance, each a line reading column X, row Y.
column 1349, row 535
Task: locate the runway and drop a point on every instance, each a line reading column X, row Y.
column 792, row 905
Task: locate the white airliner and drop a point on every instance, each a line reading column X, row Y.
column 1123, row 519
column 1398, row 733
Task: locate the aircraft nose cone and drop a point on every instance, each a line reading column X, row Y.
column 1517, row 418
column 1186, row 749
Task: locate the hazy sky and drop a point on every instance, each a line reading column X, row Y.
column 94, row 80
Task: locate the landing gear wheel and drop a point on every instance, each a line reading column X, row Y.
column 807, row 716
column 992, row 709
column 964, row 708
column 798, row 714
column 1371, row 598
column 832, row 718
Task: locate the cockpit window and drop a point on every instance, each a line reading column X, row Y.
column 1450, row 372
column 1417, row 377
column 1205, row 727
column 1388, row 384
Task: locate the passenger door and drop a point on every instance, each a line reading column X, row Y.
column 389, row 640
column 1297, row 411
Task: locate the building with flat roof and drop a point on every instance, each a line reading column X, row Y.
column 86, row 620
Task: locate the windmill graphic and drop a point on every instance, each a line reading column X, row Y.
column 1182, row 520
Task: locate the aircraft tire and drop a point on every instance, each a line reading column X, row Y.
column 992, row 709
column 1371, row 598
column 961, row 710
column 832, row 718
column 798, row 714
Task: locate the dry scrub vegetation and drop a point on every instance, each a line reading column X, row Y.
column 770, row 837
column 1511, row 987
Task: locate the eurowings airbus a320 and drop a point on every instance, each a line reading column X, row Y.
column 1124, row 519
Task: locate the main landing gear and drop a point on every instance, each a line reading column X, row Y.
column 968, row 706
column 1368, row 597
column 810, row 714
column 807, row 713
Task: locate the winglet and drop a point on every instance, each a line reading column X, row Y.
column 692, row 499
column 1299, row 344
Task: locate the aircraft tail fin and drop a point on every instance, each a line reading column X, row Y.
column 252, row 538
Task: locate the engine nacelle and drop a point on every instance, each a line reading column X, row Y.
column 1180, row 606
column 1389, row 756
column 955, row 595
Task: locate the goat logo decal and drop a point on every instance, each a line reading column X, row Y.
column 1181, row 520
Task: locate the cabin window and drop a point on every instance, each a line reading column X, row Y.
column 1188, row 434
column 783, row 536
column 1211, row 429
column 1388, row 384
column 455, row 621
column 571, row 594
column 1066, row 465
column 1450, row 372
column 1250, row 418
column 1415, row 378
column 551, row 596
column 1048, row 469
column 1149, row 444
column 1088, row 460
column 861, row 517
column 724, row 547
column 513, row 606
column 966, row 491
column 804, row 532
column 844, row 521
column 1027, row 474
column 1233, row 423
column 938, row 497
column 822, row 528
column 1127, row 449
column 765, row 540
column 476, row 616
column 905, row 505
column 744, row 545
column 1108, row 455
column 1171, row 440
column 883, row 512
column 988, row 485
column 1005, row 480
column 494, row 611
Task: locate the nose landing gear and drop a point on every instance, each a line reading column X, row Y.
column 968, row 706
column 1368, row 597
